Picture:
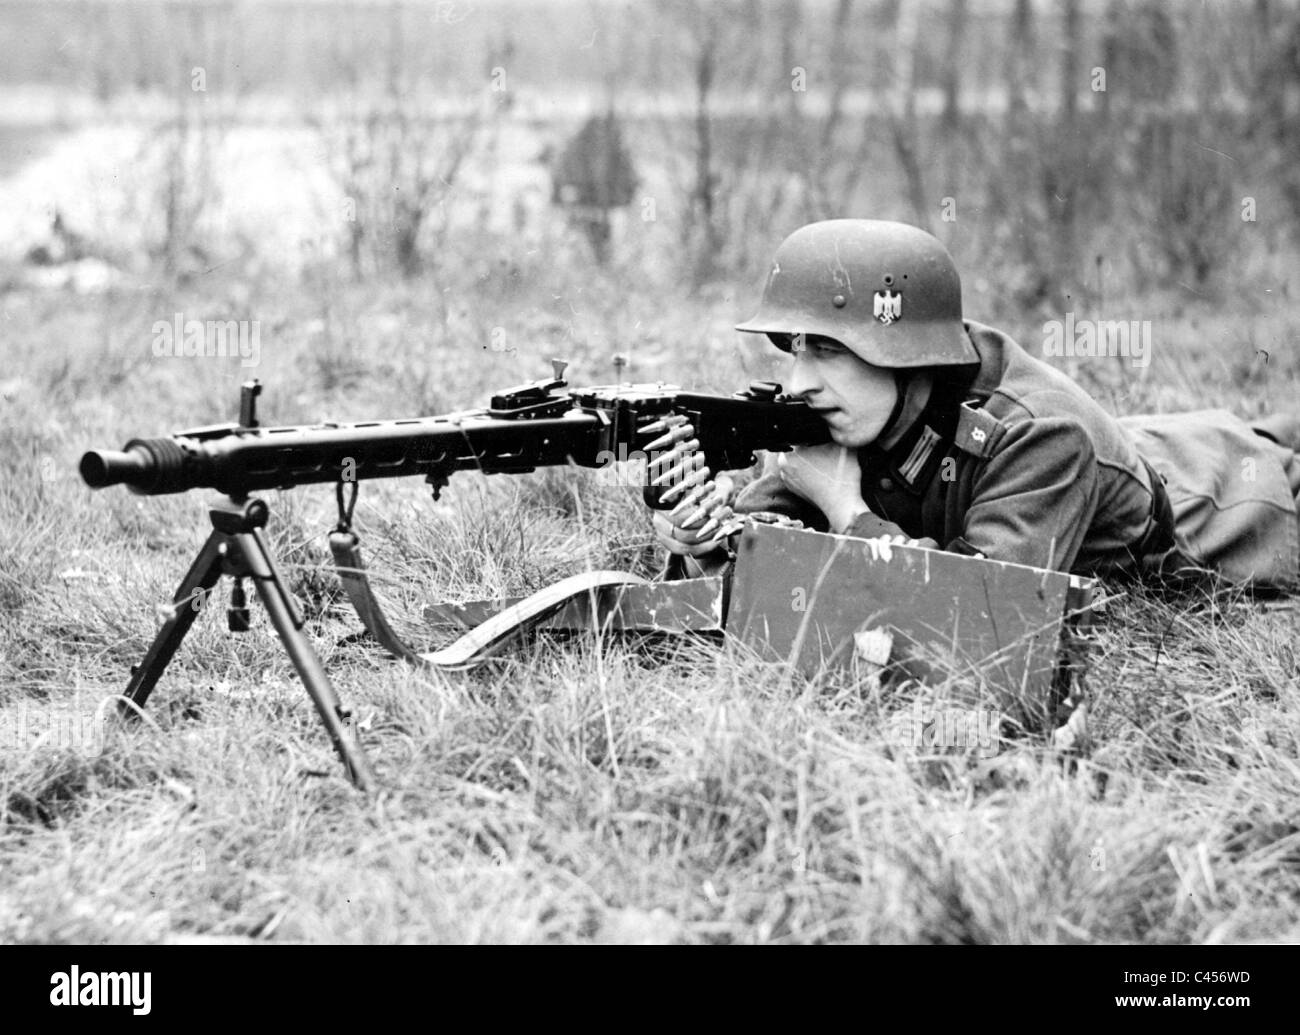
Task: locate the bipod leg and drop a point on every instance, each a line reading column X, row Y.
column 190, row 599
column 255, row 560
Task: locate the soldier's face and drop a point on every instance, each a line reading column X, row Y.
column 853, row 397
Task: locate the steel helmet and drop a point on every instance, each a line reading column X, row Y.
column 887, row 291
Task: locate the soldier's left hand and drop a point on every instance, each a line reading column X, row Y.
column 828, row 477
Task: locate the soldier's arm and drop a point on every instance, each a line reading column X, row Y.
column 872, row 526
column 1034, row 499
column 769, row 494
column 765, row 492
column 1032, row 502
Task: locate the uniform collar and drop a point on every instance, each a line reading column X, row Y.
column 912, row 446
column 918, row 392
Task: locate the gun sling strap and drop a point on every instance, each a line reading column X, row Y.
column 477, row 645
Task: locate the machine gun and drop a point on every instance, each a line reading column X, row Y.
column 539, row 424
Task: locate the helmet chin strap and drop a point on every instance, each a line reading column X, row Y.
column 913, row 392
column 902, row 380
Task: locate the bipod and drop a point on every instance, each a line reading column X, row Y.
column 237, row 548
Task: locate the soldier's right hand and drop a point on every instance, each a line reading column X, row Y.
column 691, row 528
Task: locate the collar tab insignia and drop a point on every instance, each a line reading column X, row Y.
column 915, row 464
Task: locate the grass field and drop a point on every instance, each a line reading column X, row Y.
column 579, row 793
column 589, row 792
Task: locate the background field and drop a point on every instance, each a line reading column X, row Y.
column 411, row 201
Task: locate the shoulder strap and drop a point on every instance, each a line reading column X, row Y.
column 346, row 548
column 978, row 432
column 478, row 644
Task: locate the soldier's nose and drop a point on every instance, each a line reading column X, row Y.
column 803, row 376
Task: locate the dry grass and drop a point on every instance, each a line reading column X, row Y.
column 579, row 792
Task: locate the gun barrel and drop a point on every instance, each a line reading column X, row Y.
column 243, row 460
column 519, row 433
column 101, row 467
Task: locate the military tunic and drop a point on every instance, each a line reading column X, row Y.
column 1013, row 460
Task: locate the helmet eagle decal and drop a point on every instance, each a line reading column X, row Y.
column 888, row 306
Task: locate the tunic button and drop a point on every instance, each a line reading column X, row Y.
column 887, row 484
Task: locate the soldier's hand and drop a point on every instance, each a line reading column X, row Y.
column 691, row 528
column 827, row 476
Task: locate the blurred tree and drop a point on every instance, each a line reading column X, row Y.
column 904, row 126
column 950, row 140
column 824, row 195
column 1179, row 188
column 706, row 180
column 1021, row 46
column 1274, row 83
column 394, row 162
column 952, row 66
column 501, row 55
column 789, row 33
column 1139, row 54
column 1061, row 177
